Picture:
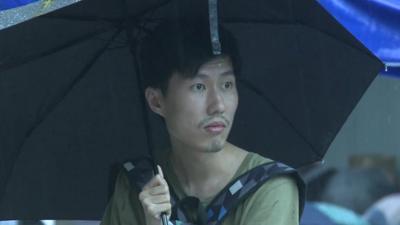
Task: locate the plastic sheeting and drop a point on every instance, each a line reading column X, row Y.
column 376, row 23
column 13, row 12
column 9, row 4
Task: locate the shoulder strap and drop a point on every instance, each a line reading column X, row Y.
column 139, row 171
column 239, row 189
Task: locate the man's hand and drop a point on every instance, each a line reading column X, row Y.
column 155, row 199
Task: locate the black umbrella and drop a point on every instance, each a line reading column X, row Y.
column 70, row 108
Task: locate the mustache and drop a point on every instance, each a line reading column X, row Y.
column 215, row 118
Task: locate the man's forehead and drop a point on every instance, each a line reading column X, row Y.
column 219, row 66
column 208, row 75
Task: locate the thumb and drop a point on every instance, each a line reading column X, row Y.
column 160, row 171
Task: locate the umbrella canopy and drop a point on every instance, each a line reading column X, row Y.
column 70, row 107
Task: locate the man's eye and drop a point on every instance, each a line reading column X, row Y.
column 198, row 87
column 228, row 85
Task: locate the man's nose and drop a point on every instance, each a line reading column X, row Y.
column 216, row 103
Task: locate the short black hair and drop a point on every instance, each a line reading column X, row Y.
column 181, row 47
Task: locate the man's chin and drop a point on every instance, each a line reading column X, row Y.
column 216, row 145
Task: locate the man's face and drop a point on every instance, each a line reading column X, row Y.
column 199, row 111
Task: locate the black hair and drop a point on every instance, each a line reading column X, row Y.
column 181, row 47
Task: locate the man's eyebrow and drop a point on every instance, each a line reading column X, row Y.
column 228, row 73
column 204, row 76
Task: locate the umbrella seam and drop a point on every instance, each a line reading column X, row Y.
column 276, row 109
column 9, row 65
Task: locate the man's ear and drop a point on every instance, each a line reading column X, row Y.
column 154, row 98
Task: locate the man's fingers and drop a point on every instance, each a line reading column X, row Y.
column 148, row 198
column 156, row 210
column 158, row 199
column 159, row 190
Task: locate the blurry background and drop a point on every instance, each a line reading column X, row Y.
column 372, row 128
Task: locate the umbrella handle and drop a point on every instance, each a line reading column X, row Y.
column 164, row 218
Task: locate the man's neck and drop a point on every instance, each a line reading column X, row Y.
column 204, row 174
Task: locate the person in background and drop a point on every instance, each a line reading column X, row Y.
column 358, row 188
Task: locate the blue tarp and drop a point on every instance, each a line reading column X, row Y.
column 13, row 12
column 9, row 4
column 376, row 23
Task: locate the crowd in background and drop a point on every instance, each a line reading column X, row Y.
column 365, row 193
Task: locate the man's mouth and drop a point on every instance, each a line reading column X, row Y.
column 215, row 127
column 215, row 124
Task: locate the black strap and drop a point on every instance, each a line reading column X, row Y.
column 246, row 184
column 139, row 171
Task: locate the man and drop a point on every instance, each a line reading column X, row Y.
column 195, row 93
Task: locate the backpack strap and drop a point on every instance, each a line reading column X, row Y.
column 239, row 189
column 139, row 171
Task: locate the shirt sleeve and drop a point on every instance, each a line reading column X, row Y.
column 274, row 203
column 124, row 206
